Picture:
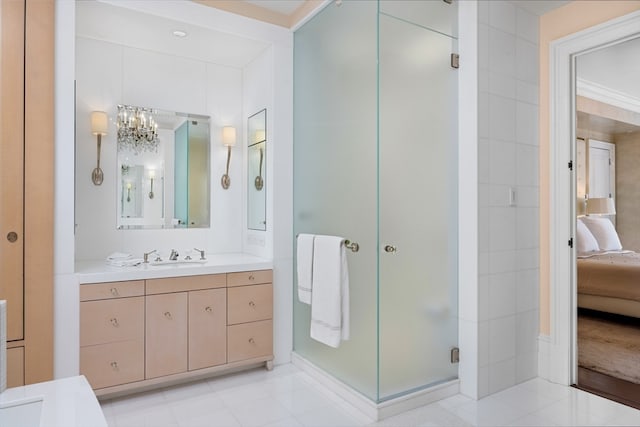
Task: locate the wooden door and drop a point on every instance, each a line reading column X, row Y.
column 166, row 334
column 26, row 185
column 207, row 328
column 12, row 165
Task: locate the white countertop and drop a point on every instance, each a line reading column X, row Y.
column 66, row 402
column 98, row 271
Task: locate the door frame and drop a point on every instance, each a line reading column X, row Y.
column 562, row 259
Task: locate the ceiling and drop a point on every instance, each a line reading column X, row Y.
column 125, row 26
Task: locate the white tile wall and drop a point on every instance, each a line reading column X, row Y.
column 507, row 159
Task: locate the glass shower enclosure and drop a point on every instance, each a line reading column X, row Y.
column 375, row 161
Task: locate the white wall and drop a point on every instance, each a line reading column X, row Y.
column 108, row 74
column 507, row 159
column 222, row 99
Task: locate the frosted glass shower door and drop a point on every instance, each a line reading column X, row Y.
column 335, row 112
column 417, row 207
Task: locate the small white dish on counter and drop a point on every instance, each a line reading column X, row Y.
column 67, row 402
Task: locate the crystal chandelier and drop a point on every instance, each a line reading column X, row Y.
column 137, row 129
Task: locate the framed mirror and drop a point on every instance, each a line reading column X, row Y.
column 257, row 163
column 163, row 169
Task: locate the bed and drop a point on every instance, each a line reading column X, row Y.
column 610, row 282
column 608, row 276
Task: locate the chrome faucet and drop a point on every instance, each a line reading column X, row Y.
column 146, row 256
column 174, row 255
column 201, row 253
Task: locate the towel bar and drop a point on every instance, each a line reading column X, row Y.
column 353, row 246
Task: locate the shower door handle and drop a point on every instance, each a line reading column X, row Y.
column 390, row 249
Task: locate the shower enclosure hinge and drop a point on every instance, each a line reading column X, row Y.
column 570, row 165
column 455, row 60
column 571, row 242
column 455, row 355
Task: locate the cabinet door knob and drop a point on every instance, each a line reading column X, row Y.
column 208, row 309
column 12, row 236
column 252, row 304
column 167, row 314
column 114, row 292
column 114, row 322
column 114, row 365
column 252, row 341
column 251, row 277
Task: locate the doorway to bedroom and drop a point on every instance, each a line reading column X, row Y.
column 607, row 208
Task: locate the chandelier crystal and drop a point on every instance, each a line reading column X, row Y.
column 137, row 129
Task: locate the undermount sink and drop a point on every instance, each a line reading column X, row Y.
column 24, row 412
column 178, row 261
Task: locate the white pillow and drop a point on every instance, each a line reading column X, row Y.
column 604, row 232
column 585, row 241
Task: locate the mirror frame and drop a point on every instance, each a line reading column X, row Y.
column 256, row 171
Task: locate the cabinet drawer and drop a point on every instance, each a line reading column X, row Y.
column 112, row 320
column 111, row 290
column 249, row 277
column 186, row 283
column 111, row 364
column 250, row 340
column 249, row 303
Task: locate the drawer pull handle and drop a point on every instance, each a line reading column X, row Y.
column 114, row 365
column 251, row 277
column 252, row 341
column 252, row 304
column 114, row 322
column 208, row 309
column 114, row 292
column 167, row 314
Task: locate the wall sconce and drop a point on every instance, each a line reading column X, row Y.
column 152, row 175
column 228, row 140
column 99, row 121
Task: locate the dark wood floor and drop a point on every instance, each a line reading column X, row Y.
column 609, row 387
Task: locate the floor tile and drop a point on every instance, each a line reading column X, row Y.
column 222, row 417
column 288, row 397
column 327, row 416
column 260, row 412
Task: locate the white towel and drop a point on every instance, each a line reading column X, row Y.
column 118, row 256
column 130, row 262
column 305, row 267
column 330, row 297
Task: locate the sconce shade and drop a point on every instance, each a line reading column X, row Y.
column 601, row 206
column 99, row 122
column 228, row 136
column 260, row 136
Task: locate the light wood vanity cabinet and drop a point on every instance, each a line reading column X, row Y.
column 207, row 328
column 166, row 334
column 112, row 333
column 142, row 334
column 250, row 310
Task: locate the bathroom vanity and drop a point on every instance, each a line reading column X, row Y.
column 150, row 326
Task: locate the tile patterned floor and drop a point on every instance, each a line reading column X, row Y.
column 287, row 397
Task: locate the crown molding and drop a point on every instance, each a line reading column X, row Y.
column 601, row 93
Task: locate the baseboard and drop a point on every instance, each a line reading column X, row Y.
column 370, row 409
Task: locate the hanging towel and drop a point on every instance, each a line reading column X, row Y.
column 330, row 297
column 305, row 267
